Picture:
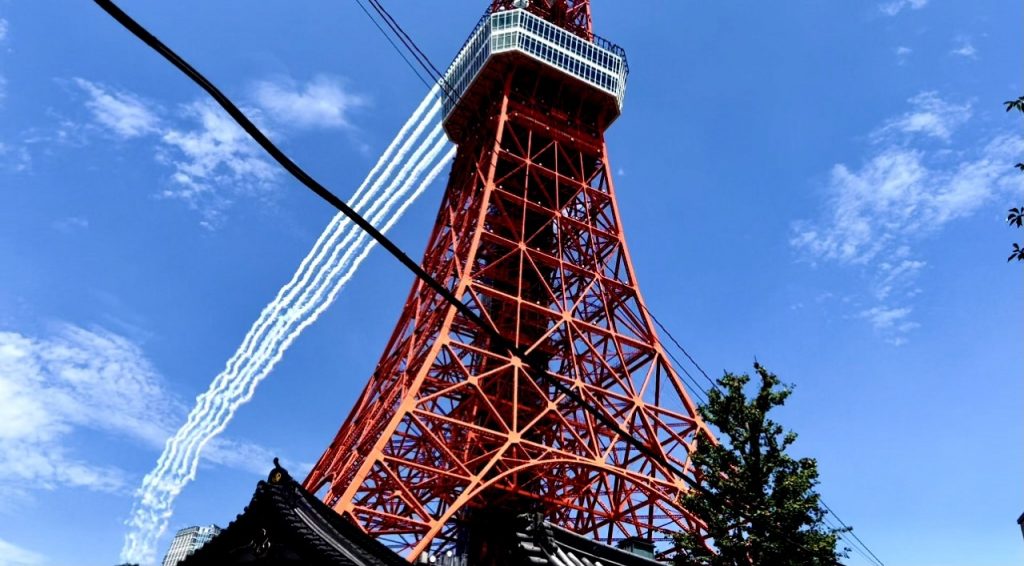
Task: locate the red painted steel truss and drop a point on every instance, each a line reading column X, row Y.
column 529, row 236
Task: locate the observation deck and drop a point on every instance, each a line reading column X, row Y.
column 599, row 65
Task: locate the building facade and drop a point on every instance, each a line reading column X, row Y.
column 188, row 540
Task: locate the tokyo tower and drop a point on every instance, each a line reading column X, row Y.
column 450, row 426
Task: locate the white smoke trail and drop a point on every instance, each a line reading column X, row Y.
column 153, row 508
column 299, row 281
column 312, row 295
column 152, row 515
column 287, row 316
column 361, row 247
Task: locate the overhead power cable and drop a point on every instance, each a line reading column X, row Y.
column 401, row 53
column 406, row 39
column 421, row 58
column 857, row 544
column 850, row 531
column 680, row 346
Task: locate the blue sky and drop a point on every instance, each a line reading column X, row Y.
column 821, row 185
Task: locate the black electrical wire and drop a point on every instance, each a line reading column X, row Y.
column 872, row 558
column 850, row 531
column 421, row 58
column 243, row 121
column 692, row 380
column 406, row 39
column 678, row 345
column 398, row 49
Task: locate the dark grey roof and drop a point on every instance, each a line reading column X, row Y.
column 542, row 543
column 285, row 524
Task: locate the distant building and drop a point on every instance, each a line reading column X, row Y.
column 188, row 540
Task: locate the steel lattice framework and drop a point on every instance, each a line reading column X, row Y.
column 528, row 236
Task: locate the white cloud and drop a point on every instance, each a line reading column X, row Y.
column 876, row 213
column 15, row 158
column 244, row 456
column 78, row 380
column 890, row 322
column 13, row 555
column 71, row 224
column 896, row 196
column 898, row 275
column 964, row 48
column 51, row 387
column 323, row 102
column 896, row 6
column 3, row 80
column 930, row 115
column 903, row 54
column 213, row 162
column 122, row 112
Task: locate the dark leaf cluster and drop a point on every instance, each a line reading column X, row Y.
column 1015, row 104
column 1016, row 215
column 1017, row 253
column 759, row 505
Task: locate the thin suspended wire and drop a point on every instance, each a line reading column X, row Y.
column 678, row 345
column 692, row 380
column 397, row 49
column 393, row 23
column 857, row 543
column 421, row 58
column 849, row 531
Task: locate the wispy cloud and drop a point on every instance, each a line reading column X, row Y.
column 323, row 102
column 896, row 6
column 891, row 323
column 213, row 161
column 71, row 224
column 76, row 380
column 123, row 113
column 964, row 48
column 3, row 80
column 50, row 388
column 13, row 555
column 905, row 191
column 929, row 115
column 15, row 157
column 903, row 54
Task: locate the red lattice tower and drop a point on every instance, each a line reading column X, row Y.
column 529, row 237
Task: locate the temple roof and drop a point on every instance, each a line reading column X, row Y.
column 543, row 543
column 285, row 524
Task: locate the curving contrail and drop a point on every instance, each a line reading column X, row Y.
column 319, row 278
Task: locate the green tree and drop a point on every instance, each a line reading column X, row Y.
column 758, row 502
column 1015, row 217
